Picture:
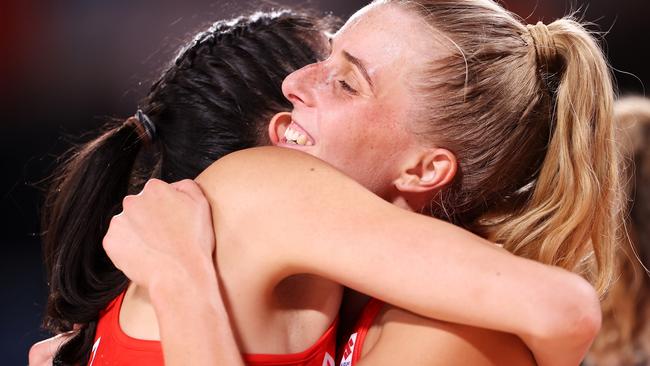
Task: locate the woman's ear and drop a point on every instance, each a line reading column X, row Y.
column 429, row 171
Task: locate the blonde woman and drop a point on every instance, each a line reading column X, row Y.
column 449, row 108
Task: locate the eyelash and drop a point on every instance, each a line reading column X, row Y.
column 346, row 87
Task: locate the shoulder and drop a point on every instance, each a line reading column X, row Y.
column 409, row 339
column 285, row 180
column 261, row 163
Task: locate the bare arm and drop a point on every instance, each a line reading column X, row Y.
column 436, row 269
column 194, row 325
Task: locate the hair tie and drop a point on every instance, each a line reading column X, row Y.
column 545, row 48
column 143, row 124
column 149, row 127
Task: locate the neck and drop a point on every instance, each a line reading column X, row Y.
column 136, row 316
column 407, row 203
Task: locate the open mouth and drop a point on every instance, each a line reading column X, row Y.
column 289, row 132
column 296, row 135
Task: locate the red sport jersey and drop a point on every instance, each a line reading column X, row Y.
column 351, row 351
column 113, row 347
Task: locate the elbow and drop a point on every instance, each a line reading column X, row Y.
column 586, row 312
column 578, row 319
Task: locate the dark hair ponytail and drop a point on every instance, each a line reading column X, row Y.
column 85, row 195
column 215, row 98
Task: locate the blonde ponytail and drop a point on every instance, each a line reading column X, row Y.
column 527, row 110
column 574, row 215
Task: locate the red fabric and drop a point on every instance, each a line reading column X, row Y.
column 113, row 347
column 350, row 352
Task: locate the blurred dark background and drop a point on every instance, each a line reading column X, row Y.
column 65, row 64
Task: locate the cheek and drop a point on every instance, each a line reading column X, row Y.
column 387, row 129
column 364, row 131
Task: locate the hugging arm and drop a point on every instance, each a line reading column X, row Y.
column 418, row 263
column 195, row 332
column 182, row 284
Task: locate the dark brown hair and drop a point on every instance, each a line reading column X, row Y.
column 215, row 98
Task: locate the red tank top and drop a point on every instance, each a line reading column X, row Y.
column 351, row 351
column 113, row 347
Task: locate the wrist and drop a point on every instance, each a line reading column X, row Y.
column 175, row 282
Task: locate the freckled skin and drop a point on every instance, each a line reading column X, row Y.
column 365, row 134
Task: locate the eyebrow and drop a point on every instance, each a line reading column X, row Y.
column 356, row 62
column 360, row 66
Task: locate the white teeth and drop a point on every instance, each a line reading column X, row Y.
column 302, row 139
column 294, row 136
column 288, row 134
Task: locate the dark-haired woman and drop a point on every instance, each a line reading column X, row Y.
column 215, row 98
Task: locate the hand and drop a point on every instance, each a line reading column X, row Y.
column 42, row 353
column 163, row 233
column 163, row 241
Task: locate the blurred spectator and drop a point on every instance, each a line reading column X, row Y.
column 625, row 335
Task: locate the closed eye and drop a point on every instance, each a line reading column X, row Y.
column 345, row 86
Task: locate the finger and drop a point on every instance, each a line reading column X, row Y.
column 156, row 186
column 191, row 188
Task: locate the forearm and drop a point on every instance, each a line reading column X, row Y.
column 163, row 241
column 442, row 272
column 194, row 325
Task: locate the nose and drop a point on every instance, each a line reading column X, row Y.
column 298, row 87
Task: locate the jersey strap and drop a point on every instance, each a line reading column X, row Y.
column 351, row 351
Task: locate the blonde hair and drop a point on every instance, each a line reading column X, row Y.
column 624, row 338
column 527, row 110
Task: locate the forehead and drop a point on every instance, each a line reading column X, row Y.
column 385, row 37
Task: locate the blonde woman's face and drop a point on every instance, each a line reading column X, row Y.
column 353, row 109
